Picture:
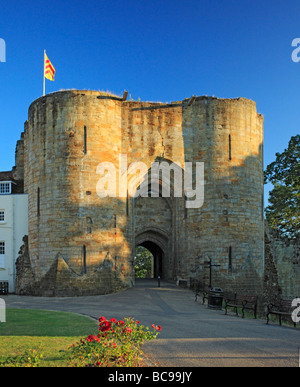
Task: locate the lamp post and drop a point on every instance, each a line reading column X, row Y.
column 209, row 265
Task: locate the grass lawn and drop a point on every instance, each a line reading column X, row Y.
column 48, row 333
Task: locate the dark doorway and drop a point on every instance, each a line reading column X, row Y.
column 158, row 256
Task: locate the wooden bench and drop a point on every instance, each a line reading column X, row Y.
column 182, row 283
column 199, row 289
column 243, row 301
column 3, row 287
column 282, row 309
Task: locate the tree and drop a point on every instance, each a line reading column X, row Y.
column 283, row 213
column 142, row 262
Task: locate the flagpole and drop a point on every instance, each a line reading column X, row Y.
column 44, row 74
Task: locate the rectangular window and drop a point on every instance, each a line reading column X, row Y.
column 2, row 216
column 229, row 144
column 2, row 248
column 5, row 188
column 2, row 255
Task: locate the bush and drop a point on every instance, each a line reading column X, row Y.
column 143, row 262
column 30, row 358
column 118, row 344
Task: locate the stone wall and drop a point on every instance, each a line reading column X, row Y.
column 18, row 170
column 282, row 272
column 24, row 274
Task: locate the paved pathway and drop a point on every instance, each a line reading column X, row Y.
column 192, row 335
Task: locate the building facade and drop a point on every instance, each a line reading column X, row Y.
column 13, row 227
column 79, row 144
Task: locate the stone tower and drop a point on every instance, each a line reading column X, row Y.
column 80, row 243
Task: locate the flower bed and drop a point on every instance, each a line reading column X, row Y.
column 118, row 344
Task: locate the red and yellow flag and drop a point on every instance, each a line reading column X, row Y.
column 49, row 70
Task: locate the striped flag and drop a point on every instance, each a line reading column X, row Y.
column 49, row 70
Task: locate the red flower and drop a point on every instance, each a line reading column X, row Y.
column 121, row 322
column 104, row 326
column 102, row 319
column 156, row 327
column 113, row 320
column 90, row 338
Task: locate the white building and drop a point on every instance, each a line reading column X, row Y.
column 13, row 227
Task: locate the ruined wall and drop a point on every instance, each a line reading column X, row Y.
column 18, row 170
column 80, row 243
column 282, row 273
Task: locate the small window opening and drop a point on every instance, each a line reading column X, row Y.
column 230, row 259
column 84, row 259
column 185, row 207
column 84, row 140
column 38, row 201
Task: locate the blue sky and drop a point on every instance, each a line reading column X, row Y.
column 157, row 50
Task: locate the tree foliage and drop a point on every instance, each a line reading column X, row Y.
column 142, row 262
column 283, row 213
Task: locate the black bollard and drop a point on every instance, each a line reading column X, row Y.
column 158, row 281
